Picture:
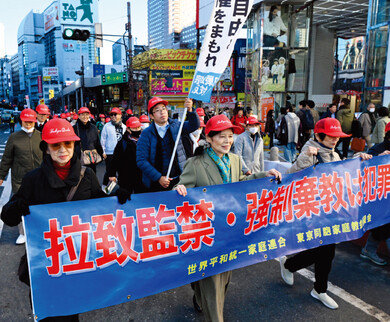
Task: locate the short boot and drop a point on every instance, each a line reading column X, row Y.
column 369, row 251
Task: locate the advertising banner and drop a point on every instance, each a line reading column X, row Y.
column 50, row 17
column 90, row 254
column 226, row 21
column 78, row 12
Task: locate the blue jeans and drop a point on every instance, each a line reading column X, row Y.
column 290, row 152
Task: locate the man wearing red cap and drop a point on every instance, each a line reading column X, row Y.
column 250, row 148
column 321, row 149
column 21, row 155
column 111, row 134
column 155, row 147
column 124, row 165
column 43, row 113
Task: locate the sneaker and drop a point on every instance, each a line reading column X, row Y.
column 21, row 240
column 325, row 299
column 287, row 276
column 373, row 257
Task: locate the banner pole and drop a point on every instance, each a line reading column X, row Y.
column 176, row 142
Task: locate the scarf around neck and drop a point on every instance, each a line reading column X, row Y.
column 223, row 165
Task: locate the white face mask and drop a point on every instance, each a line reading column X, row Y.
column 197, row 133
column 253, row 130
column 28, row 130
column 144, row 126
column 372, row 110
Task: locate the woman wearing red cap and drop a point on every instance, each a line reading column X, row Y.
column 21, row 155
column 59, row 178
column 211, row 166
column 89, row 137
column 321, row 149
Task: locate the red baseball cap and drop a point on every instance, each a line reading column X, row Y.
column 219, row 123
column 28, row 115
column 144, row 119
column 387, row 128
column 42, row 109
column 133, row 122
column 108, row 119
column 55, row 116
column 63, row 116
column 58, row 130
column 154, row 101
column 68, row 114
column 200, row 111
column 115, row 110
column 129, row 111
column 75, row 116
column 102, row 115
column 330, row 127
column 252, row 120
column 84, row 110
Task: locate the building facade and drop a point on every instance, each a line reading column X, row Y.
column 166, row 21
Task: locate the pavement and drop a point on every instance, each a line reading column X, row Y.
column 256, row 293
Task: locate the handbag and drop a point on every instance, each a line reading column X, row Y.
column 90, row 157
column 358, row 144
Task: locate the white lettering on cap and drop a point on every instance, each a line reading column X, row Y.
column 222, row 121
column 334, row 127
column 56, row 131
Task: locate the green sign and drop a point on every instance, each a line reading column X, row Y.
column 114, row 78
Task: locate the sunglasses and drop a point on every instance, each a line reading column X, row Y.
column 66, row 144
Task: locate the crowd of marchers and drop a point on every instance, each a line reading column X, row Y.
column 54, row 159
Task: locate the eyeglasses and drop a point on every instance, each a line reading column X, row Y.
column 114, row 114
column 160, row 110
column 66, row 144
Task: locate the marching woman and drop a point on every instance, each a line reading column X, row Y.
column 59, row 178
column 211, row 166
column 321, row 149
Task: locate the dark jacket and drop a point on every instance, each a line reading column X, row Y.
column 124, row 163
column 379, row 148
column 40, row 127
column 146, row 147
column 22, row 154
column 327, row 114
column 89, row 138
column 43, row 186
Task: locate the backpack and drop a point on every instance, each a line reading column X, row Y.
column 282, row 132
column 308, row 121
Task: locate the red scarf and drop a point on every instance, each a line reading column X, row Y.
column 62, row 172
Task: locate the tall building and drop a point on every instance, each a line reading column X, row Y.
column 31, row 54
column 16, row 94
column 166, row 21
column 5, row 80
column 2, row 40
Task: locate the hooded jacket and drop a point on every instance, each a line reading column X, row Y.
column 345, row 117
column 305, row 161
column 378, row 134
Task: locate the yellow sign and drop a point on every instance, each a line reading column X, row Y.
column 241, row 97
column 51, row 93
column 42, row 101
column 46, row 78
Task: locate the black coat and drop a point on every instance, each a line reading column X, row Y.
column 379, row 148
column 124, row 163
column 89, row 138
column 43, row 186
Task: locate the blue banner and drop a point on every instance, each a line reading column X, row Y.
column 85, row 255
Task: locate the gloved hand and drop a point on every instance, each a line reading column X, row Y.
column 24, row 209
column 123, row 195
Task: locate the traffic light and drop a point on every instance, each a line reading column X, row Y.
column 76, row 34
column 169, row 82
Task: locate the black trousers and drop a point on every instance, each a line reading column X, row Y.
column 345, row 142
column 108, row 164
column 321, row 257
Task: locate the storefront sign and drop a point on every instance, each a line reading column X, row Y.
column 226, row 21
column 80, row 252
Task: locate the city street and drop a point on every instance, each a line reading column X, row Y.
column 256, row 293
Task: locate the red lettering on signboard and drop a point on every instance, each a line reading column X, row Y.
column 56, row 248
column 306, row 192
column 383, row 181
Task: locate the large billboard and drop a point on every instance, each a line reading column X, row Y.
column 50, row 17
column 79, row 12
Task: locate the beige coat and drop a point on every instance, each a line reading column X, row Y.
column 305, row 161
column 202, row 171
